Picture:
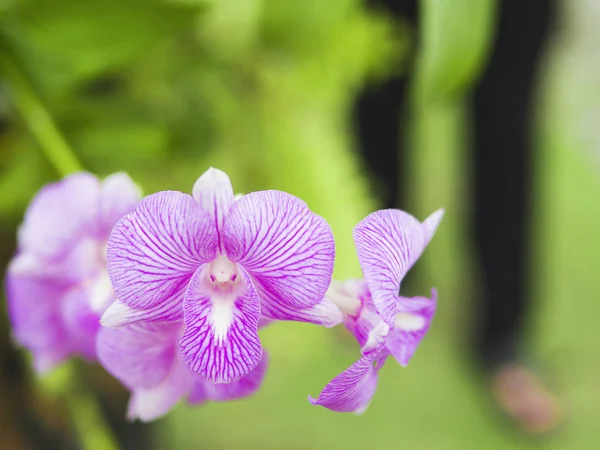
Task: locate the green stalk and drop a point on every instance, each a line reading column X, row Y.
column 84, row 411
column 39, row 120
column 86, row 415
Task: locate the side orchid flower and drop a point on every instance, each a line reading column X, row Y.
column 57, row 285
column 217, row 265
column 383, row 321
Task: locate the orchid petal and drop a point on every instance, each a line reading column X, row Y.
column 119, row 314
column 351, row 390
column 324, row 313
column 214, row 193
column 430, row 225
column 220, row 342
column 154, row 251
column 287, row 249
column 58, row 214
column 119, row 195
column 388, row 243
column 245, row 387
column 80, row 321
column 153, row 403
column 34, row 312
column 141, row 356
column 412, row 321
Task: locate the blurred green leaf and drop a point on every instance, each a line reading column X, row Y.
column 454, row 41
column 60, row 43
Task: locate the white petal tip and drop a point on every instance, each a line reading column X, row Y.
column 433, row 221
column 211, row 180
column 116, row 315
column 362, row 410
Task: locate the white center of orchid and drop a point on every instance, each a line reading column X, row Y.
column 222, row 270
column 409, row 322
column 223, row 277
column 344, row 297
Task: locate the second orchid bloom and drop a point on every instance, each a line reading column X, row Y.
column 383, row 321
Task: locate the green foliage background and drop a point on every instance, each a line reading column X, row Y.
column 262, row 89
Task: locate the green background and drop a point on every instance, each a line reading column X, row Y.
column 262, row 89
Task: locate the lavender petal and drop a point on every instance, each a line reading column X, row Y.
column 351, row 390
column 119, row 195
column 154, row 251
column 388, row 243
column 245, row 387
column 287, row 249
column 411, row 323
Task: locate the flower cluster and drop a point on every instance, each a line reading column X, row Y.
column 192, row 280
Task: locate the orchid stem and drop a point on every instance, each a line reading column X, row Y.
column 39, row 121
column 84, row 410
column 92, row 429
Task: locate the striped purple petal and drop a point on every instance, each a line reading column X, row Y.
column 154, row 251
column 287, row 249
column 411, row 323
column 246, row 386
column 119, row 314
column 388, row 243
column 324, row 313
column 220, row 342
column 353, row 389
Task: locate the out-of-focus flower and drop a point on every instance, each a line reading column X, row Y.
column 57, row 285
column 218, row 264
column 145, row 357
column 384, row 323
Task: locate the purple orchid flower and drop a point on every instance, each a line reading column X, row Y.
column 145, row 357
column 57, row 285
column 384, row 323
column 218, row 265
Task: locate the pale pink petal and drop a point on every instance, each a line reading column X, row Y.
column 84, row 260
column 388, row 243
column 411, row 323
column 154, row 251
column 245, row 387
column 153, row 403
column 34, row 310
column 220, row 342
column 141, row 356
column 119, row 195
column 214, row 193
column 81, row 322
column 287, row 249
column 59, row 214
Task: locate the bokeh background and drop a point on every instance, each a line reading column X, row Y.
column 263, row 90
